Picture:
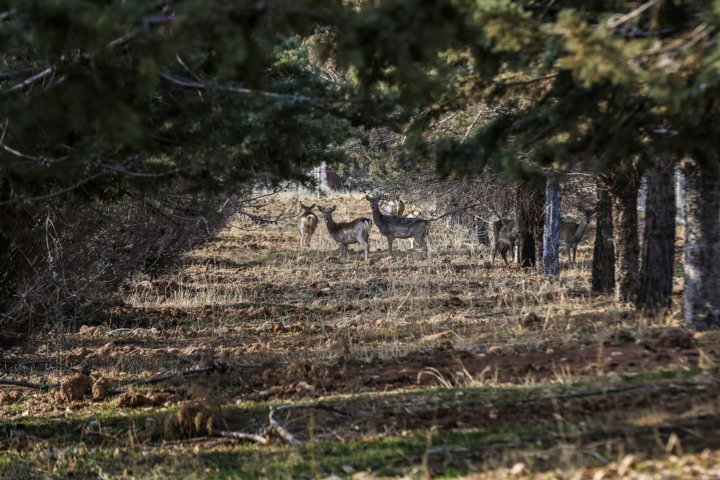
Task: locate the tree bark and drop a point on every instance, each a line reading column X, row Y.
column 658, row 250
column 538, row 219
column 603, row 267
column 626, row 242
column 702, row 246
column 551, row 233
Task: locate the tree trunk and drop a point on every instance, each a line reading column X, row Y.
column 626, row 242
column 658, row 251
column 702, row 247
column 603, row 267
column 538, row 220
column 551, row 233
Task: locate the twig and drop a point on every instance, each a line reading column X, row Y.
column 17, row 383
column 20, row 302
column 633, row 14
column 218, row 367
column 526, row 82
column 280, row 430
column 491, row 314
column 59, row 192
column 578, row 294
column 29, row 81
column 183, row 82
column 319, row 406
column 243, row 436
column 480, row 111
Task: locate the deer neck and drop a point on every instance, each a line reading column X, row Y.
column 581, row 228
column 378, row 217
column 331, row 225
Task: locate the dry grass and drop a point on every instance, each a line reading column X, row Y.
column 418, row 347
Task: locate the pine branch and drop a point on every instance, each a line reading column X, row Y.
column 526, row 82
column 55, row 194
column 633, row 14
column 183, row 82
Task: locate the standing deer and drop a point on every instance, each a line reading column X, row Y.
column 571, row 233
column 347, row 233
column 307, row 224
column 392, row 206
column 392, row 226
column 508, row 234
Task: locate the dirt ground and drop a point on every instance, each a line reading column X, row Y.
column 263, row 359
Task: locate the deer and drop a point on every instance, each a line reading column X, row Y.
column 508, row 234
column 571, row 233
column 392, row 206
column 347, row 233
column 307, row 224
column 393, row 226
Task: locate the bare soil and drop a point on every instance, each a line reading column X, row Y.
column 443, row 352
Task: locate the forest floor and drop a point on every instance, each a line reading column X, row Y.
column 411, row 366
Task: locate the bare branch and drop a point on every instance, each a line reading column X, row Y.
column 17, row 383
column 243, row 436
column 183, row 82
column 526, row 82
column 22, row 300
column 5, row 76
column 34, row 79
column 633, row 14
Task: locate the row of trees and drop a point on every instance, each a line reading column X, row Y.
column 106, row 100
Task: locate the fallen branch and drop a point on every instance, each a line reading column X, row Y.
column 319, row 406
column 219, row 367
column 30, row 81
column 243, row 436
column 17, row 383
column 280, row 430
column 277, row 427
column 491, row 314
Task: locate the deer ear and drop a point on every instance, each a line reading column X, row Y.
column 301, row 205
column 333, row 209
column 313, row 206
column 367, row 197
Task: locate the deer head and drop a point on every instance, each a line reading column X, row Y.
column 327, row 212
column 306, row 210
column 374, row 201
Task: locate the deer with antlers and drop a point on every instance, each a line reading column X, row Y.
column 347, row 233
column 392, row 206
column 571, row 233
column 307, row 223
column 508, row 234
column 393, row 226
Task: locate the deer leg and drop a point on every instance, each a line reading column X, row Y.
column 520, row 254
column 365, row 245
column 390, row 242
column 503, row 253
column 421, row 241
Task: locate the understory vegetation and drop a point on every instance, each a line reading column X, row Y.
column 431, row 366
column 179, row 297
